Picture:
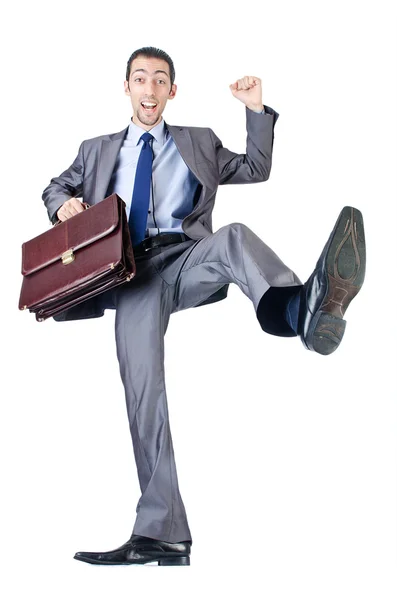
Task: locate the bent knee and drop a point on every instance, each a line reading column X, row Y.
column 239, row 227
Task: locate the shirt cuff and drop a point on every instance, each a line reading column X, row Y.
column 265, row 110
column 258, row 112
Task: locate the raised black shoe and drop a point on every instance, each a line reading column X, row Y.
column 140, row 550
column 336, row 280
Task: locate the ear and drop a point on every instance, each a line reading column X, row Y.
column 172, row 93
column 126, row 88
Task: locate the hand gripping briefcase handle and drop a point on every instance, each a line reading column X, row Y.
column 77, row 259
column 85, row 204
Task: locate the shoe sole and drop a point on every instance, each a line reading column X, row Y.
column 162, row 562
column 345, row 267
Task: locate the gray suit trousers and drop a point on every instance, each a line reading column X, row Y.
column 170, row 279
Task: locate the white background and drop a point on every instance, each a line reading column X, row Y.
column 286, row 459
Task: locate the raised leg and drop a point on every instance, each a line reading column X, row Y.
column 235, row 254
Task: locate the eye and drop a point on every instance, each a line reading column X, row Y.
column 162, row 80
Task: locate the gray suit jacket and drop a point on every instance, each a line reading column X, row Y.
column 212, row 164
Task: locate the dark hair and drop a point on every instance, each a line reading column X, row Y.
column 151, row 52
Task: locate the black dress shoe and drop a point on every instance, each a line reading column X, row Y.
column 336, row 280
column 140, row 550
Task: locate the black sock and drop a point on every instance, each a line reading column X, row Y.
column 278, row 310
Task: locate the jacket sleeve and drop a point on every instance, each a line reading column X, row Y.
column 69, row 184
column 255, row 165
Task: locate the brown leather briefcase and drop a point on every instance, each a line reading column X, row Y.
column 81, row 257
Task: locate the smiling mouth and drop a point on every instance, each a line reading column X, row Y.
column 149, row 109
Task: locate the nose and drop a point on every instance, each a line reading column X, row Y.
column 149, row 89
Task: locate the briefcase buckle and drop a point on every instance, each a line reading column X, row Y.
column 68, row 257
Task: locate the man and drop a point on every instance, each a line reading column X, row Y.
column 168, row 179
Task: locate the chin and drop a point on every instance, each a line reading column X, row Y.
column 148, row 120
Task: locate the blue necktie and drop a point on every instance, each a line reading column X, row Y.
column 137, row 219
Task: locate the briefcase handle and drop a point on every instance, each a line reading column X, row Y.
column 85, row 204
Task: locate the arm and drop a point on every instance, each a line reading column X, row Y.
column 68, row 185
column 255, row 165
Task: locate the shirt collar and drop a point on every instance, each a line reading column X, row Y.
column 159, row 132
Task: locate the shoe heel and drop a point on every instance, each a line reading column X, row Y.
column 175, row 560
column 328, row 333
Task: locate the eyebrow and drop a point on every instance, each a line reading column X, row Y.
column 144, row 71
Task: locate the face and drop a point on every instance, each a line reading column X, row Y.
column 149, row 82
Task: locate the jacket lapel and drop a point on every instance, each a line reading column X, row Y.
column 108, row 153
column 183, row 142
column 110, row 149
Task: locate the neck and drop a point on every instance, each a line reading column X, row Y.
column 143, row 125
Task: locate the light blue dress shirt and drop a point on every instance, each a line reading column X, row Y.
column 174, row 185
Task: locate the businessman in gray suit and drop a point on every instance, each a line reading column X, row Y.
column 181, row 264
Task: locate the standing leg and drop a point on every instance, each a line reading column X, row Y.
column 143, row 308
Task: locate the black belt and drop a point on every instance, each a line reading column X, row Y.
column 154, row 241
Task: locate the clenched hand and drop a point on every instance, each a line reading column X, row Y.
column 248, row 90
column 70, row 208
